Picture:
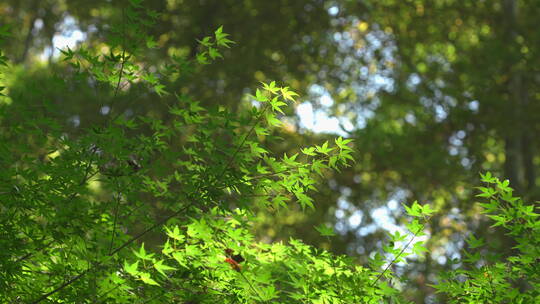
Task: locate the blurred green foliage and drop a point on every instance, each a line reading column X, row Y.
column 432, row 92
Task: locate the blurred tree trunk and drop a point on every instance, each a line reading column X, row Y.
column 528, row 154
column 29, row 37
column 514, row 148
column 518, row 167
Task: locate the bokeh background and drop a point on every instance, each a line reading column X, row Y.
column 432, row 92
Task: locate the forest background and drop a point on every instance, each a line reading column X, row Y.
column 432, row 92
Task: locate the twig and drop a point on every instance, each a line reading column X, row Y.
column 400, row 253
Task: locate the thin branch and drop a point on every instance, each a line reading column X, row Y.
column 65, row 284
column 116, row 209
column 29, row 254
column 252, row 288
column 400, row 253
column 231, row 159
column 121, row 72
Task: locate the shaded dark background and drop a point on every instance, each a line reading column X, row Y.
column 432, row 92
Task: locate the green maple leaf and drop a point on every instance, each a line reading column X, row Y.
column 161, row 268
